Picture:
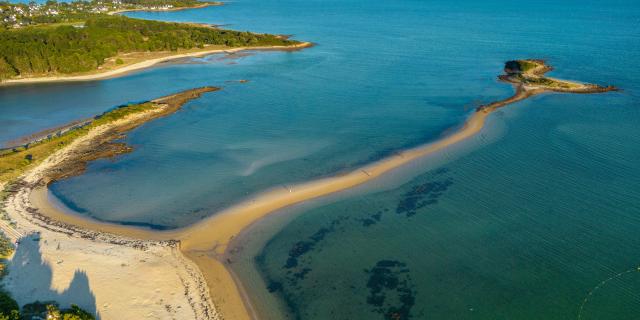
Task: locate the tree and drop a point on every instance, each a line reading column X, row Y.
column 6, row 70
column 75, row 313
column 9, row 309
column 14, row 315
column 66, row 49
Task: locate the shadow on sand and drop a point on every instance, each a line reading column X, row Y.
column 30, row 279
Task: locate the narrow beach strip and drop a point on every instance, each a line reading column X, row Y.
column 121, row 71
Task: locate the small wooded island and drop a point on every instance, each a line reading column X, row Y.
column 528, row 77
column 86, row 41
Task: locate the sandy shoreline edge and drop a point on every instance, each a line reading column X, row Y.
column 205, row 242
column 148, row 64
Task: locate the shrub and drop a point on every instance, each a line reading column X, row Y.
column 8, row 307
column 75, row 313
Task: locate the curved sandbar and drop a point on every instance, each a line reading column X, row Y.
column 120, row 71
column 205, row 242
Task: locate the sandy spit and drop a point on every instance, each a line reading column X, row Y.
column 205, row 243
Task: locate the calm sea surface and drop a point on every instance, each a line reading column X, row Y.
column 522, row 222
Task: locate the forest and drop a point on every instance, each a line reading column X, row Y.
column 65, row 49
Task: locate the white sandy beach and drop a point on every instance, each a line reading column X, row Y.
column 128, row 279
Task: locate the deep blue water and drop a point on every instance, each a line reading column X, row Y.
column 518, row 226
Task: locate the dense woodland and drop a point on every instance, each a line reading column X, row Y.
column 68, row 49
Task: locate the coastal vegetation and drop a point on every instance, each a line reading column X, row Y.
column 6, row 249
column 520, row 66
column 528, row 77
column 67, row 49
column 10, row 310
column 14, row 161
column 530, row 72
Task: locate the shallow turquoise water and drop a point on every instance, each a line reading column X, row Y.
column 522, row 228
column 519, row 226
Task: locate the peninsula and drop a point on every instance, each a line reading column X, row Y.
column 206, row 242
column 88, row 45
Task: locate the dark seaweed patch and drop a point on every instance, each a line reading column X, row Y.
column 441, row 171
column 274, row 286
column 421, row 196
column 300, row 275
column 298, row 249
column 372, row 219
column 298, row 268
column 302, row 247
column 390, row 290
column 320, row 234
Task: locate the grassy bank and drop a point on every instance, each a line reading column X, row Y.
column 14, row 162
